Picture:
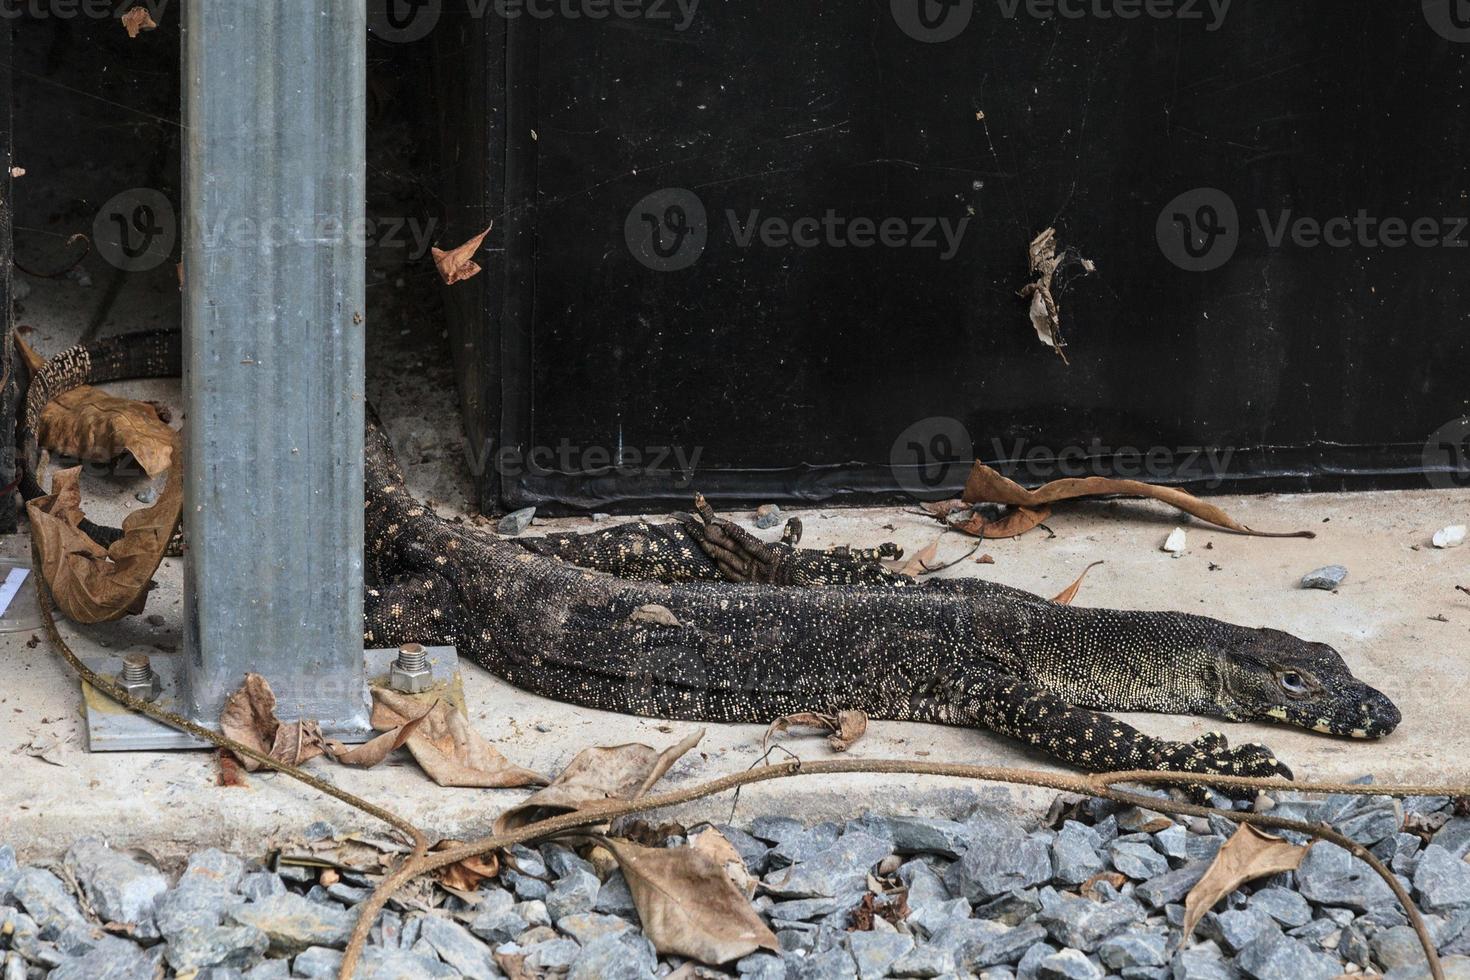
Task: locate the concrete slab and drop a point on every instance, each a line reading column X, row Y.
column 1397, row 619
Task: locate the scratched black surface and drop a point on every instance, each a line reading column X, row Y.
column 793, row 370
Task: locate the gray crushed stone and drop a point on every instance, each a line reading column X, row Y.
column 1097, row 894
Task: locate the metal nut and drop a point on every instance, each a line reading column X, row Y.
column 411, row 673
column 139, row 679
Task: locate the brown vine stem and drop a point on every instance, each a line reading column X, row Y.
column 1097, row 786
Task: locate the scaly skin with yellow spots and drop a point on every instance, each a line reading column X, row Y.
column 766, row 630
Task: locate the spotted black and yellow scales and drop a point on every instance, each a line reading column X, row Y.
column 758, row 631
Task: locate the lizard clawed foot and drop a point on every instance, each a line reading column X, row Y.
column 739, row 555
column 1211, row 754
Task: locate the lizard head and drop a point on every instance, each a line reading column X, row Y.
column 1268, row 675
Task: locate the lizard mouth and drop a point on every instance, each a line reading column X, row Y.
column 1361, row 713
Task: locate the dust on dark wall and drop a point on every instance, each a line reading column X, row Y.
column 10, row 387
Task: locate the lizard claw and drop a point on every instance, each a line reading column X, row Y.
column 1211, row 754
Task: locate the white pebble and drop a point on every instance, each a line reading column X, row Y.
column 1174, row 545
column 1449, row 537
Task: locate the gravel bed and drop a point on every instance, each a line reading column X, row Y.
column 1096, row 891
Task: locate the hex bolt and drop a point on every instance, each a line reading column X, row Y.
column 138, row 678
column 411, row 673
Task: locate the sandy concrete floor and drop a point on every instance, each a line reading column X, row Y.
column 1398, row 620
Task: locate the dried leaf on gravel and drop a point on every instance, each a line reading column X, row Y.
column 1070, row 592
column 985, row 485
column 1248, row 854
column 249, row 717
column 90, row 583
column 89, row 424
column 689, row 906
column 467, row 875
column 717, row 847
column 620, row 772
column 458, row 264
column 445, row 746
column 138, row 20
column 842, row 729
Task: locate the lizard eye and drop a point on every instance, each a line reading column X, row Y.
column 1292, row 682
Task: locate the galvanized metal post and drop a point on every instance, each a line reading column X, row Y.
column 274, row 175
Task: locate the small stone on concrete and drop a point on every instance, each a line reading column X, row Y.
column 1327, row 577
column 516, row 522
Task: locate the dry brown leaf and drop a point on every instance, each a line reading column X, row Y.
column 445, row 746
column 1045, row 312
column 1011, row 525
column 513, row 965
column 922, row 561
column 620, row 772
column 89, row 424
column 467, row 875
column 249, row 717
column 842, row 729
column 229, row 770
column 372, row 752
column 458, row 264
column 1247, row 855
column 1070, row 592
column 1088, row 889
column 985, row 485
column 297, row 742
column 717, row 847
column 138, row 20
column 688, row 906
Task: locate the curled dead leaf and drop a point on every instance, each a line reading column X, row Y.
column 374, row 751
column 842, row 729
column 985, row 485
column 1248, row 854
column 1070, row 592
column 445, row 746
column 922, row 561
column 467, row 875
column 717, row 847
column 620, row 772
column 1044, row 311
column 137, row 20
column 689, row 906
column 249, row 717
column 458, row 264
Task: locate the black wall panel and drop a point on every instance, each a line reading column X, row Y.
column 625, row 311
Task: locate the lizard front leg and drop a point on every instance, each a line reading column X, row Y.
column 1086, row 739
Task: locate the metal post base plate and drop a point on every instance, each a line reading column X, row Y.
column 113, row 728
